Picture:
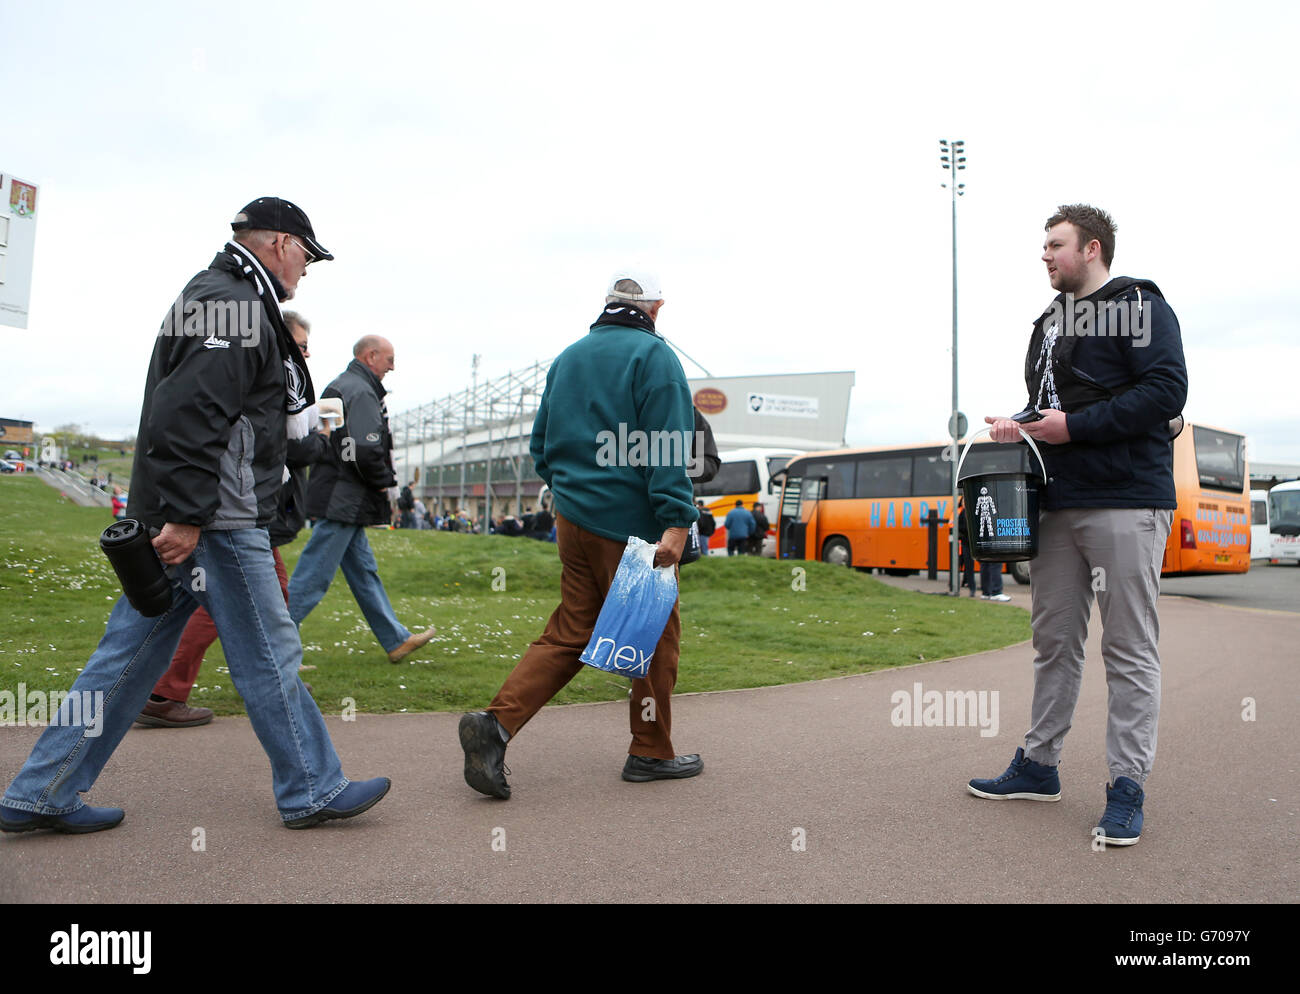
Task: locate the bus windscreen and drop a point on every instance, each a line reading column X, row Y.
column 1220, row 459
column 733, row 478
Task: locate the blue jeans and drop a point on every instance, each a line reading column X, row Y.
column 991, row 579
column 232, row 574
column 334, row 544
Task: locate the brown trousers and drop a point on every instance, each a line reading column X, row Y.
column 589, row 563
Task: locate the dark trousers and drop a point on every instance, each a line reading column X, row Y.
column 589, row 563
column 991, row 579
column 967, row 565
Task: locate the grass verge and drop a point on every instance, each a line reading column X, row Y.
column 746, row 622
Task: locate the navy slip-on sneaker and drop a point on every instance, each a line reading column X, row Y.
column 1121, row 823
column 1024, row 780
column 80, row 822
column 356, row 797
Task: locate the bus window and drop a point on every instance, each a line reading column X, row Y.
column 774, row 465
column 1258, row 510
column 931, row 475
column 884, row 477
column 1220, row 458
column 733, row 478
column 838, row 474
column 1259, row 537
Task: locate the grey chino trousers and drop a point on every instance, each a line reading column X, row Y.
column 1116, row 554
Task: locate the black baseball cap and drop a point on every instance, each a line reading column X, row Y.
column 274, row 214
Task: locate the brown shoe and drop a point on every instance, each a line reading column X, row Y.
column 410, row 645
column 173, row 714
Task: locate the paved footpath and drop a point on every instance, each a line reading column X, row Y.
column 884, row 809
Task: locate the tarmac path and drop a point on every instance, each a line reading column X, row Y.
column 884, row 809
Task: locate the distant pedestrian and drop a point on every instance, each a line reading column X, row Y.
column 760, row 530
column 991, row 582
column 707, row 523
column 543, row 524
column 740, row 526
column 965, row 557
column 406, row 504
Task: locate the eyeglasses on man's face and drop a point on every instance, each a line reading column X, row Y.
column 306, row 254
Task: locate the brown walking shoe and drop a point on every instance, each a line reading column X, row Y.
column 410, row 645
column 173, row 714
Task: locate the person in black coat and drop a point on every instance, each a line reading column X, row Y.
column 168, row 705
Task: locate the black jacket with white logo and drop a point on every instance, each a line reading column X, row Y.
column 210, row 448
column 350, row 485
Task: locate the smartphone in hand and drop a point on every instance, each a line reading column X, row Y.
column 1026, row 416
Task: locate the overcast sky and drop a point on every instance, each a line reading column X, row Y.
column 479, row 171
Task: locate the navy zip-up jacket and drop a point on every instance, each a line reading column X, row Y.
column 1120, row 377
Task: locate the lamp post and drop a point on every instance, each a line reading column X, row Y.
column 424, row 423
column 487, row 487
column 464, row 429
column 442, row 462
column 952, row 155
column 519, row 456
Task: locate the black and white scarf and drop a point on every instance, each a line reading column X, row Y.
column 299, row 393
column 628, row 316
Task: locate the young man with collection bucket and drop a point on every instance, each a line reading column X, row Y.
column 1106, row 376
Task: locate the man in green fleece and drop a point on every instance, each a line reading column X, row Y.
column 612, row 440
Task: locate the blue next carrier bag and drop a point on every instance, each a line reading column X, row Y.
column 634, row 614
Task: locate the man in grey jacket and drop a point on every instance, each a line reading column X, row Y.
column 225, row 381
column 347, row 491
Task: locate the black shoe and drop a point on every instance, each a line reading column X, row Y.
column 485, row 754
column 639, row 769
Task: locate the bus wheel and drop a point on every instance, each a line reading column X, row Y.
column 836, row 552
column 1019, row 572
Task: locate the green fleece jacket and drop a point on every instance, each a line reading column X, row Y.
column 612, row 435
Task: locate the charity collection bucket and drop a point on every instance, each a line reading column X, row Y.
column 1002, row 510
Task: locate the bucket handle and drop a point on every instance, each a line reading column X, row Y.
column 986, row 431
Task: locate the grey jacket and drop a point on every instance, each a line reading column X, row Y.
column 350, row 484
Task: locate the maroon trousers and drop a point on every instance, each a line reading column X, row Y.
column 589, row 563
column 199, row 634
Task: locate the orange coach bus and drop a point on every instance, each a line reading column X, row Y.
column 1211, row 530
column 867, row 508
column 747, row 475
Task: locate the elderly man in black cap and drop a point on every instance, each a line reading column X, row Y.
column 226, row 388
